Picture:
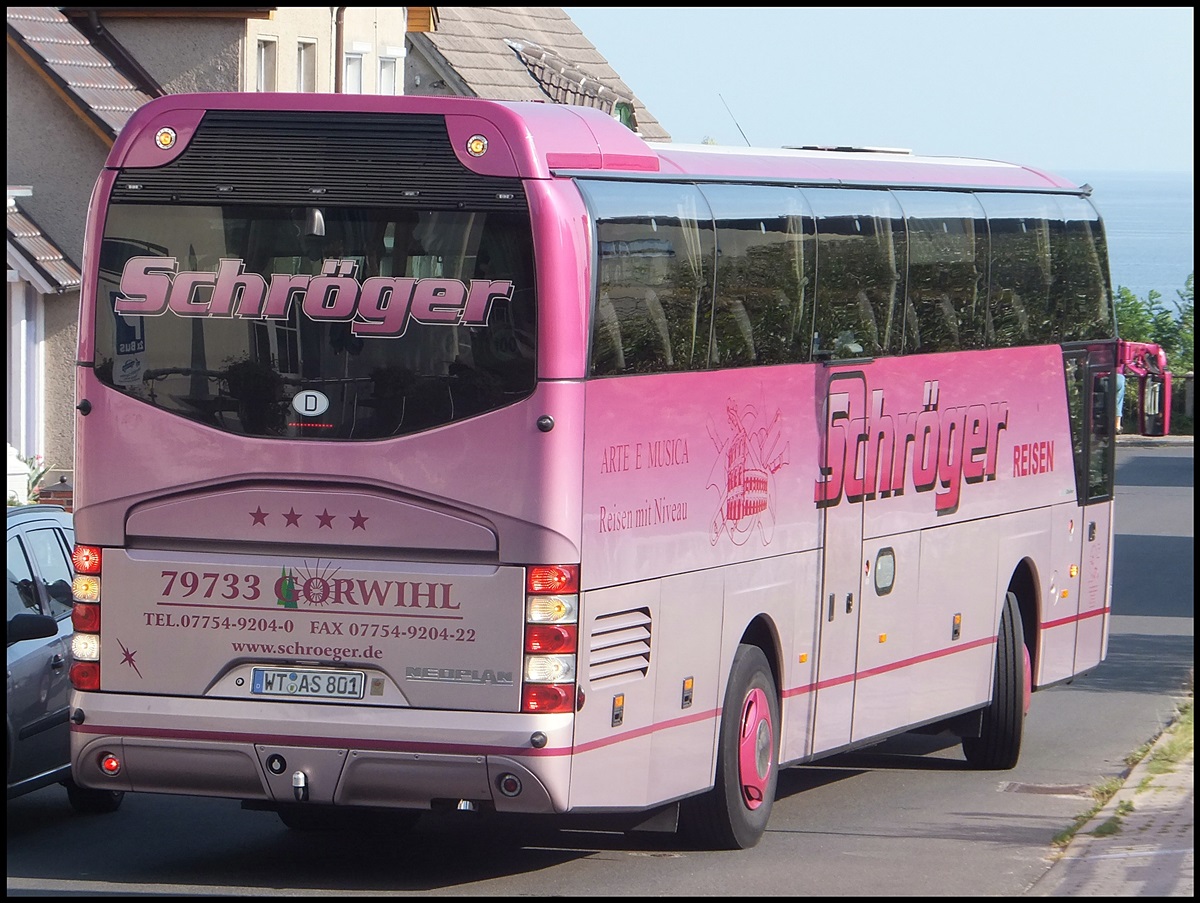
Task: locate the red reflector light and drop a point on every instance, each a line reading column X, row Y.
column 86, row 560
column 110, row 764
column 552, row 578
column 85, row 617
column 549, row 638
column 544, row 698
column 85, row 675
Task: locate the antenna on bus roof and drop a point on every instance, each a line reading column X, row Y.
column 735, row 122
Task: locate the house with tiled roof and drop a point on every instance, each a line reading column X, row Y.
column 76, row 75
column 521, row 53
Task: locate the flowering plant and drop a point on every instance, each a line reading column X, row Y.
column 38, row 468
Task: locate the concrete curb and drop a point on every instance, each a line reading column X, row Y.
column 1152, row 852
column 1154, row 441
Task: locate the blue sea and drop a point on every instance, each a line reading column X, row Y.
column 1149, row 219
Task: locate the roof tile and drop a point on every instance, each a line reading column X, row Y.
column 473, row 43
column 66, row 57
column 39, row 251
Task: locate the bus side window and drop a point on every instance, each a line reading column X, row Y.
column 1082, row 302
column 765, row 260
column 940, row 283
column 655, row 257
column 945, row 305
column 608, row 354
column 634, row 331
column 1027, row 235
column 861, row 264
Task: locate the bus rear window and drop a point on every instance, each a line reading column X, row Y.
column 317, row 322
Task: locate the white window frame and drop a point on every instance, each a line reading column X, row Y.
column 267, row 61
column 352, row 67
column 306, row 65
column 389, row 76
column 26, row 425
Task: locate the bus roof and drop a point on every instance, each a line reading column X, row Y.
column 545, row 140
column 850, row 166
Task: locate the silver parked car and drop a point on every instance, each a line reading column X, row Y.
column 40, row 538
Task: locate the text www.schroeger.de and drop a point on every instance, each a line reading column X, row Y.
column 334, row 653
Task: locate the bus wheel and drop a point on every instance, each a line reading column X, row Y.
column 91, row 801
column 733, row 814
column 998, row 745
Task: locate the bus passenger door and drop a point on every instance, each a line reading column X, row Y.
column 1096, row 496
column 840, row 498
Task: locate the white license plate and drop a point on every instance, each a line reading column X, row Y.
column 306, row 683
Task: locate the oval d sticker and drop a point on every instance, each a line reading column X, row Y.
column 310, row 403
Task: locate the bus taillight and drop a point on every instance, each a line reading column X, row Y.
column 85, row 648
column 86, row 560
column 85, row 618
column 552, row 578
column 551, row 638
column 85, row 589
column 85, row 675
column 547, row 698
column 550, row 669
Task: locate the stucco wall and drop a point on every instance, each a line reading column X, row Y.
column 422, row 77
column 54, row 152
column 184, row 55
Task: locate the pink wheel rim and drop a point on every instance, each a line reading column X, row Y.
column 755, row 743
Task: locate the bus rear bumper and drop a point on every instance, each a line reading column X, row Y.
column 320, row 754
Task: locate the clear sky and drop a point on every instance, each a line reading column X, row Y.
column 1085, row 89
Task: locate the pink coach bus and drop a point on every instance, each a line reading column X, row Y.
column 441, row 452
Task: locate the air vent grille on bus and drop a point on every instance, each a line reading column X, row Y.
column 311, row 159
column 620, row 647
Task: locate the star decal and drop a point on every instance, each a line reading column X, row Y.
column 291, row 517
column 127, row 658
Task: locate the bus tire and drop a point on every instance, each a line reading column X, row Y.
column 733, row 815
column 998, row 746
column 91, row 801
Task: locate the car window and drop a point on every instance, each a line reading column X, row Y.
column 21, row 597
column 48, row 547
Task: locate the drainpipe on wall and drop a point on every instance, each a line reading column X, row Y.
column 339, row 45
column 125, row 62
